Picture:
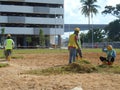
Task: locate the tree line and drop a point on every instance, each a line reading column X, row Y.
column 111, row 32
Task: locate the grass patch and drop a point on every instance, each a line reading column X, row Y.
column 40, row 51
column 3, row 65
column 13, row 57
column 48, row 71
column 108, row 69
column 17, row 57
column 82, row 66
column 57, row 50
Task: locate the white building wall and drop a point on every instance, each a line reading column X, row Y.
column 40, row 1
column 30, row 9
column 46, row 1
column 3, row 19
column 33, row 20
column 43, row 20
column 13, row 8
column 16, row 30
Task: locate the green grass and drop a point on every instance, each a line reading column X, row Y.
column 82, row 66
column 97, row 50
column 3, row 65
column 42, row 51
column 75, row 68
column 37, row 51
column 109, row 69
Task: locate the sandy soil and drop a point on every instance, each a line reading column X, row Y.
column 12, row 79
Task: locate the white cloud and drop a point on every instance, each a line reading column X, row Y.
column 72, row 13
column 113, row 2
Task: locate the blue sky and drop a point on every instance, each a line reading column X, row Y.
column 72, row 13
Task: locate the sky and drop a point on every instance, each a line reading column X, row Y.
column 72, row 12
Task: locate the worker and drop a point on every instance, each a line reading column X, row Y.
column 73, row 45
column 111, row 55
column 8, row 46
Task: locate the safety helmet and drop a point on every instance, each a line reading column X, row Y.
column 77, row 29
column 109, row 47
column 9, row 35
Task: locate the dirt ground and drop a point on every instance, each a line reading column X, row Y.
column 12, row 79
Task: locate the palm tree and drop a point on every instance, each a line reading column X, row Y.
column 88, row 9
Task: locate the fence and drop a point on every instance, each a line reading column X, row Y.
column 101, row 44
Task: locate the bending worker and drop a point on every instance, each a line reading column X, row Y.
column 73, row 45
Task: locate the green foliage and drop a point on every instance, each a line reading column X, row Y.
column 113, row 30
column 3, row 31
column 98, row 35
column 2, row 38
column 29, row 40
column 115, row 11
column 41, row 38
column 89, row 8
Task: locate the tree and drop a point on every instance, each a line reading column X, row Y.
column 89, row 8
column 83, row 37
column 47, row 40
column 41, row 38
column 98, row 34
column 115, row 11
column 2, row 32
column 113, row 30
column 29, row 40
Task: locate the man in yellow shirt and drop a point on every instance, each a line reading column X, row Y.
column 73, row 45
column 8, row 46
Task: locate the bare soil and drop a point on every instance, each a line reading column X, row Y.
column 12, row 79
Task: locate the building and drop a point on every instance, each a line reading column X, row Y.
column 24, row 19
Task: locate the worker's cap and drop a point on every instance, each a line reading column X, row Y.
column 109, row 47
column 77, row 29
column 9, row 35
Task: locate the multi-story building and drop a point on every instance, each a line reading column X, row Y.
column 24, row 19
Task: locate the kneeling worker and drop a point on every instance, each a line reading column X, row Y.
column 111, row 54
